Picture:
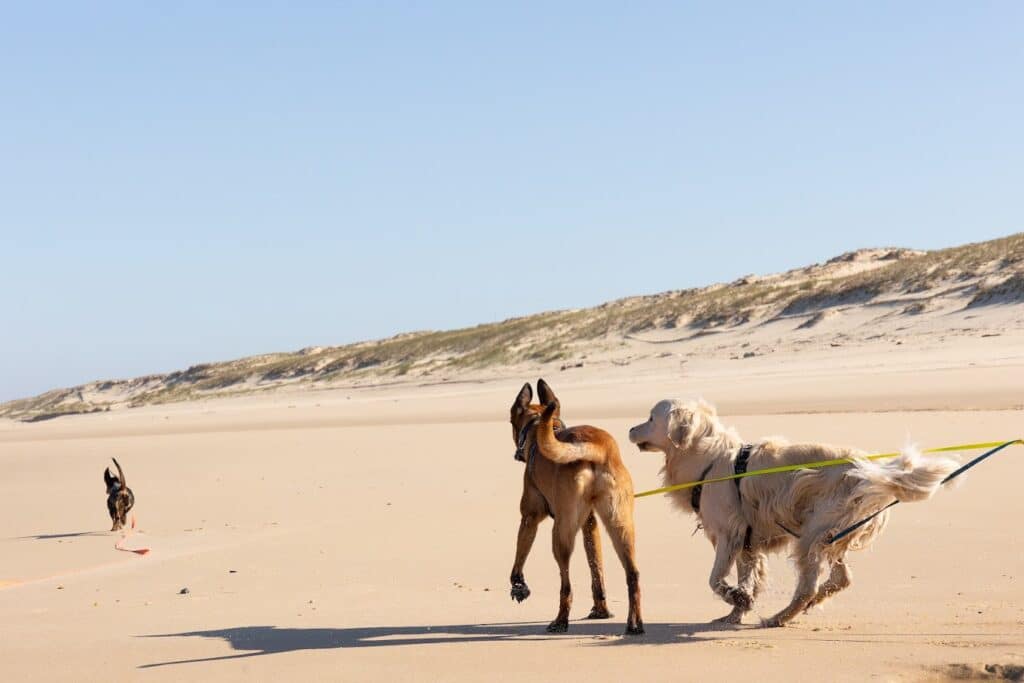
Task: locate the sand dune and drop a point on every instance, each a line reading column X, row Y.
column 882, row 297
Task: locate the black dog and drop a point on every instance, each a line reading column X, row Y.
column 120, row 498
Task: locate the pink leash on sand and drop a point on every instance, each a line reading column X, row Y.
column 124, row 538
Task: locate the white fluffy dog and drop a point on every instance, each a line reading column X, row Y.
column 768, row 513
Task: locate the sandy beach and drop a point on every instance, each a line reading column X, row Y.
column 367, row 533
column 287, row 268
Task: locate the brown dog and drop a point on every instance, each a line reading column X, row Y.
column 120, row 499
column 570, row 475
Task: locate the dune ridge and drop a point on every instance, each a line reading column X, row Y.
column 896, row 290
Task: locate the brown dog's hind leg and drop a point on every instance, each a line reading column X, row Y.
column 592, row 544
column 620, row 529
column 563, row 538
column 527, row 532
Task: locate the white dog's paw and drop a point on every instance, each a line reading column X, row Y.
column 733, row 618
column 739, row 598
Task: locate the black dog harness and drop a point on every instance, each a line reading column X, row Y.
column 739, row 467
column 698, row 489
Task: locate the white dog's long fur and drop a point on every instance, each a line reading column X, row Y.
column 813, row 503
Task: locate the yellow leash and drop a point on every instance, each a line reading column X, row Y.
column 819, row 464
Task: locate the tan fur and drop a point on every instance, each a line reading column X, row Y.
column 575, row 477
column 813, row 503
column 580, row 443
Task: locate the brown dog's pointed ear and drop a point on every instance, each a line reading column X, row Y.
column 544, row 392
column 525, row 396
column 552, row 409
column 547, row 396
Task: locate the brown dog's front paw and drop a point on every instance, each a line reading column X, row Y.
column 558, row 626
column 739, row 598
column 774, row 622
column 520, row 591
column 600, row 612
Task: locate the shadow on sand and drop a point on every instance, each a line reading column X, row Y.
column 74, row 534
column 255, row 641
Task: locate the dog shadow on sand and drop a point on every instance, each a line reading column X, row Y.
column 256, row 641
column 71, row 534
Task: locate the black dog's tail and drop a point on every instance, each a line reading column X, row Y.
column 120, row 473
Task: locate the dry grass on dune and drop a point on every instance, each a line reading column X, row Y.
column 982, row 274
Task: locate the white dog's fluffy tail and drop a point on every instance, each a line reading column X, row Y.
column 908, row 477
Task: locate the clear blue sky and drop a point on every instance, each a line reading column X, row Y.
column 184, row 182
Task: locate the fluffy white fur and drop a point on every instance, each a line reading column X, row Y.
column 814, row 504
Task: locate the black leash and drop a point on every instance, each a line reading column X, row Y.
column 960, row 470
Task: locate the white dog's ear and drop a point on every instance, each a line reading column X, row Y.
column 677, row 427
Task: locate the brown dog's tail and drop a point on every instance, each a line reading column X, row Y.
column 563, row 452
column 120, row 473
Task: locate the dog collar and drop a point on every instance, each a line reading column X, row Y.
column 739, row 467
column 521, row 439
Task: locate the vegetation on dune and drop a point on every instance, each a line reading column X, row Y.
column 1010, row 290
column 991, row 272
